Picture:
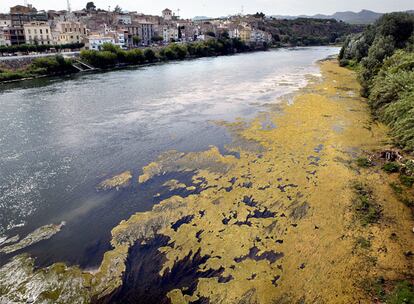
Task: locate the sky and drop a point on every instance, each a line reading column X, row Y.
column 216, row 8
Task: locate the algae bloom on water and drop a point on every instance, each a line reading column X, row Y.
column 118, row 181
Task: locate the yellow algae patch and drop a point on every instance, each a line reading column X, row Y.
column 40, row 234
column 118, row 181
column 174, row 184
column 174, row 161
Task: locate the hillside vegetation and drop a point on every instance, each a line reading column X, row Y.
column 305, row 32
column 383, row 55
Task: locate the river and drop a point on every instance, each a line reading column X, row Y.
column 61, row 137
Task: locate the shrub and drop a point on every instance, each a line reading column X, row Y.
column 149, row 55
column 110, row 47
column 408, row 168
column 168, row 54
column 179, row 50
column 51, row 65
column 363, row 162
column 406, row 180
column 100, row 59
column 134, row 56
column 391, row 167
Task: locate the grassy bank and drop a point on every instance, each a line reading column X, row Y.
column 383, row 55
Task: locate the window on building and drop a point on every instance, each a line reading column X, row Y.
column 47, row 31
column 41, row 31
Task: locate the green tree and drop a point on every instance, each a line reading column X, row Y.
column 136, row 40
column 259, row 15
column 90, row 6
column 134, row 56
column 117, row 9
column 149, row 55
column 110, row 47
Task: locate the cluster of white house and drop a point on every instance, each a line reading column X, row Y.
column 93, row 28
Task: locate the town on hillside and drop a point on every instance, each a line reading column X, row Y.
column 91, row 27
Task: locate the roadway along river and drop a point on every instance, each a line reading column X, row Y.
column 61, row 137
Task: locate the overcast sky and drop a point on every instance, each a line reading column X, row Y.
column 215, row 8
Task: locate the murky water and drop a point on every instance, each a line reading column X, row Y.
column 59, row 138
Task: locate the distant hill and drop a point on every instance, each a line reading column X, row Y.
column 363, row 17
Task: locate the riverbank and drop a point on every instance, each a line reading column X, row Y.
column 112, row 57
column 280, row 222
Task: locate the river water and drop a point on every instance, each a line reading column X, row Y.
column 61, row 137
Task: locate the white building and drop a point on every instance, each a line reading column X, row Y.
column 170, row 33
column 95, row 42
column 121, row 39
column 38, row 32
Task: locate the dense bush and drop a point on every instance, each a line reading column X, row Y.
column 392, row 96
column 379, row 41
column 150, row 55
column 100, row 59
column 134, row 56
column 51, row 65
column 385, row 59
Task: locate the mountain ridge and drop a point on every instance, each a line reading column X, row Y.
column 362, row 17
